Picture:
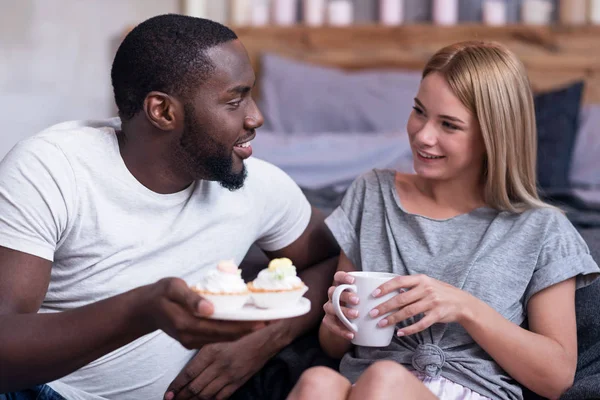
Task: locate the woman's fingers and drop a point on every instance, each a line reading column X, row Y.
column 403, row 299
column 347, row 296
column 336, row 327
column 350, row 313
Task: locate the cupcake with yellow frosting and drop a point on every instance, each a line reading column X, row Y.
column 224, row 287
column 277, row 286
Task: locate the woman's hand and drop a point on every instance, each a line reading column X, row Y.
column 331, row 321
column 420, row 294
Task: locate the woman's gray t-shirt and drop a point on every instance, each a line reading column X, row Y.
column 501, row 258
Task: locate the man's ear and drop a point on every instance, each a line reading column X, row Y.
column 160, row 109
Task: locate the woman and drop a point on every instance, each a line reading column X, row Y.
column 489, row 270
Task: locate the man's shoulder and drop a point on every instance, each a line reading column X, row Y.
column 266, row 179
column 262, row 172
column 77, row 133
column 75, row 141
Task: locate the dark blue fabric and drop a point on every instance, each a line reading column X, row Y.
column 41, row 392
column 557, row 120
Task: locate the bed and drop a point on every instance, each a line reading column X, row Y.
column 336, row 101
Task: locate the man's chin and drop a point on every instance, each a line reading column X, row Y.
column 234, row 181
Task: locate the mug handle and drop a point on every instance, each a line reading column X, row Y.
column 335, row 300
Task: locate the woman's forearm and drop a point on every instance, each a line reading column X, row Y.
column 334, row 346
column 536, row 361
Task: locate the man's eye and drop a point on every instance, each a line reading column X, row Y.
column 235, row 103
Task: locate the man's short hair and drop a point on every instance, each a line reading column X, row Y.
column 166, row 53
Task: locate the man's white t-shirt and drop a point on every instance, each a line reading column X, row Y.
column 67, row 196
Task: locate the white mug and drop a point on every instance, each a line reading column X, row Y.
column 365, row 329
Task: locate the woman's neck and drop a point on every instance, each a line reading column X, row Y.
column 462, row 195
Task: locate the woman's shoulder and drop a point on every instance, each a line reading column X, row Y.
column 545, row 217
column 549, row 225
column 374, row 178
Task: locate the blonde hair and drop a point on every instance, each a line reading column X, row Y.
column 492, row 83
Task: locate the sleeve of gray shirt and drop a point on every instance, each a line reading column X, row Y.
column 346, row 220
column 563, row 255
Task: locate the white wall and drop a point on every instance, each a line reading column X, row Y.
column 56, row 57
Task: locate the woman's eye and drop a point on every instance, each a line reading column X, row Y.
column 418, row 110
column 448, row 125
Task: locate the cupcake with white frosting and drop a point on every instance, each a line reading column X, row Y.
column 224, row 287
column 277, row 286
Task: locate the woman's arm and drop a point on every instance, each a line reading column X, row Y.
column 543, row 359
column 331, row 331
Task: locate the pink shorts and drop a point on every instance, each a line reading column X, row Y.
column 448, row 390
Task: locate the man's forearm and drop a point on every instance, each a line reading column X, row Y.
column 38, row 348
column 318, row 278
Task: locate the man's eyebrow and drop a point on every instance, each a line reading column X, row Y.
column 241, row 89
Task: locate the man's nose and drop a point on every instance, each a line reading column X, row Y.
column 254, row 119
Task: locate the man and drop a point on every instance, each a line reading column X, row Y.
column 104, row 224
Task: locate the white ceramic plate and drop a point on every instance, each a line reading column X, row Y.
column 251, row 313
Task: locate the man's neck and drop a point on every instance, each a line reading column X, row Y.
column 150, row 163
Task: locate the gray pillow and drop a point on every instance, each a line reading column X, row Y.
column 300, row 97
column 585, row 164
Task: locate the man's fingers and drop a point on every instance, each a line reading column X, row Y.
column 179, row 292
column 227, row 391
column 197, row 386
column 191, row 371
column 215, row 386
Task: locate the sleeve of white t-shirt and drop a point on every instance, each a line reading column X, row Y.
column 37, row 195
column 284, row 210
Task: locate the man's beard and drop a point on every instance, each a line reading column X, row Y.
column 204, row 158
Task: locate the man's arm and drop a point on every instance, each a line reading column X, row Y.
column 219, row 370
column 38, row 348
column 315, row 255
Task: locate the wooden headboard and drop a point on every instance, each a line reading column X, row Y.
column 553, row 56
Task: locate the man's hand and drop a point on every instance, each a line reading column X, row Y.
column 170, row 305
column 218, row 370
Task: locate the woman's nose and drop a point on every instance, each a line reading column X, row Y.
column 427, row 135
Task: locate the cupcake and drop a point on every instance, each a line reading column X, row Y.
column 277, row 286
column 224, row 287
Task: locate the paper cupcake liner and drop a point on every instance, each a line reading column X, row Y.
column 276, row 299
column 226, row 301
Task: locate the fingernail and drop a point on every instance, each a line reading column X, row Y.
column 353, row 313
column 382, row 323
column 169, row 396
column 349, row 279
column 374, row 312
column 376, row 292
column 354, row 299
column 350, row 336
column 400, row 334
